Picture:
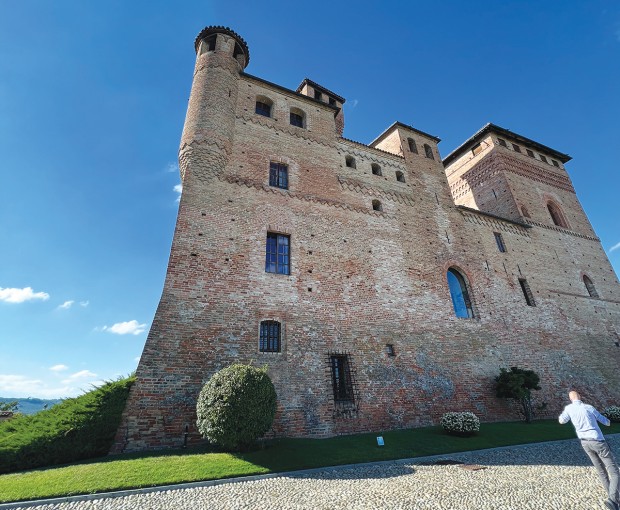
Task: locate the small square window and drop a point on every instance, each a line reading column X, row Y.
column 502, row 142
column 530, row 153
column 277, row 254
column 516, row 147
column 278, row 175
column 263, row 109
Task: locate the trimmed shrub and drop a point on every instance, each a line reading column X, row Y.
column 460, row 424
column 613, row 413
column 236, row 407
column 75, row 429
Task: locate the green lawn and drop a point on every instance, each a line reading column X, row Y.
column 169, row 467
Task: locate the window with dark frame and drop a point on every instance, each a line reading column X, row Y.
column 555, row 163
column 341, row 378
column 502, row 142
column 527, row 293
column 428, row 151
column 376, row 205
column 277, row 253
column 412, row 146
column 297, row 120
column 400, row 177
column 543, row 158
column 590, row 287
column 318, row 95
column 376, row 169
column 530, row 153
column 460, row 295
column 270, row 336
column 263, row 109
column 500, row 242
column 516, row 147
column 278, row 175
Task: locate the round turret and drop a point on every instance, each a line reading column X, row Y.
column 208, row 40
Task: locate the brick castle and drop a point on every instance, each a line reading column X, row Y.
column 381, row 284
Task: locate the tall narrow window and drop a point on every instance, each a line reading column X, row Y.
column 318, row 95
column 400, row 177
column 341, row 378
column 350, row 161
column 412, row 146
column 527, row 293
column 500, row 242
column 269, row 336
column 428, row 151
column 277, row 254
column 556, row 215
column 376, row 169
column 278, row 175
column 460, row 296
column 590, row 287
column 263, row 106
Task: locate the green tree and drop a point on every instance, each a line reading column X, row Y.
column 236, row 406
column 517, row 384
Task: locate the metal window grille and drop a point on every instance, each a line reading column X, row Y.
column 263, row 109
column 342, row 382
column 500, row 242
column 278, row 175
column 297, row 120
column 270, row 336
column 527, row 293
column 277, row 254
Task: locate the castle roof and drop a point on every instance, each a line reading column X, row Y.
column 493, row 128
column 216, row 29
column 405, row 126
column 315, row 85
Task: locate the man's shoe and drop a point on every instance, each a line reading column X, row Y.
column 610, row 504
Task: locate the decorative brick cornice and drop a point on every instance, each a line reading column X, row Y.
column 495, row 223
column 249, row 183
column 361, row 187
column 562, row 230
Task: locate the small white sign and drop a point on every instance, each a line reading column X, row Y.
column 380, row 441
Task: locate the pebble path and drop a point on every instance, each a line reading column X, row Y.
column 550, row 476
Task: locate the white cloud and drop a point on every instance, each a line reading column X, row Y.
column 13, row 295
column 66, row 305
column 178, row 189
column 137, row 359
column 82, row 374
column 84, row 304
column 126, row 328
column 354, row 103
column 19, row 386
column 172, row 167
column 59, row 368
column 614, row 247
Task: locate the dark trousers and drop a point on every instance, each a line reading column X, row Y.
column 605, row 465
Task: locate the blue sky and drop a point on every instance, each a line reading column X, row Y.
column 93, row 97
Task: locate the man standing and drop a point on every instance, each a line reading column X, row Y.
column 584, row 418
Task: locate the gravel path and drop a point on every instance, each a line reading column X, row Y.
column 547, row 476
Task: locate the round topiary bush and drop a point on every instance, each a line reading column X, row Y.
column 236, row 406
column 460, row 424
column 613, row 413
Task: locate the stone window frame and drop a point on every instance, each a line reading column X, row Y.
column 557, row 214
column 413, row 148
column 377, row 205
column 400, row 176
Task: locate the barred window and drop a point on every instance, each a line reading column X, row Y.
column 278, row 175
column 270, row 336
column 341, row 378
column 297, row 117
column 527, row 293
column 263, row 108
column 277, row 256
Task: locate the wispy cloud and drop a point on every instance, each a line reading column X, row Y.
column 172, row 167
column 12, row 295
column 82, row 374
column 178, row 189
column 614, row 247
column 20, row 386
column 84, row 304
column 59, row 368
column 126, row 328
column 66, row 305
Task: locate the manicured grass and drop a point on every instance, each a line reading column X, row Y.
column 162, row 468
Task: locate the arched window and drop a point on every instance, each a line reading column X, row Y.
column 460, row 295
column 590, row 287
column 350, row 161
column 376, row 169
column 270, row 337
column 412, row 146
column 556, row 215
column 263, row 106
column 525, row 212
column 428, row 151
column 376, row 205
column 298, row 118
column 400, row 177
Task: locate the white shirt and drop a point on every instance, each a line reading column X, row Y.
column 584, row 418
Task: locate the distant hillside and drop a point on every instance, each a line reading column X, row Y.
column 31, row 405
